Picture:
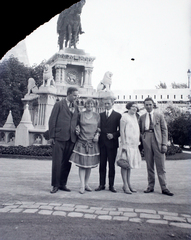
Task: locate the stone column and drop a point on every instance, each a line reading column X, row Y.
column 57, row 78
column 90, row 70
column 63, row 73
column 86, row 78
column 60, row 73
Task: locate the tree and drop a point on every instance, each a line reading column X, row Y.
column 161, row 85
column 179, row 85
column 13, row 87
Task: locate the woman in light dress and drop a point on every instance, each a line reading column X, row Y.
column 86, row 151
column 130, row 137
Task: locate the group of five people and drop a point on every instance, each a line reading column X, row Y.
column 89, row 139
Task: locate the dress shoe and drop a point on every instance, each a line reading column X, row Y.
column 167, row 192
column 132, row 190
column 126, row 191
column 87, row 188
column 54, row 190
column 81, row 190
column 64, row 188
column 149, row 190
column 100, row 188
column 112, row 189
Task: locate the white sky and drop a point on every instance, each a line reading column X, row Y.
column 156, row 33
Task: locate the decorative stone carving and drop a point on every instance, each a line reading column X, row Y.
column 105, row 83
column 32, row 88
column 47, row 77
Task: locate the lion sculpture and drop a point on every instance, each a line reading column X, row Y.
column 48, row 79
column 31, row 86
column 106, row 82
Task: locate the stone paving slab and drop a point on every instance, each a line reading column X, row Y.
column 111, row 214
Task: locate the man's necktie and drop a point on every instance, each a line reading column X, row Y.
column 107, row 114
column 151, row 127
column 71, row 107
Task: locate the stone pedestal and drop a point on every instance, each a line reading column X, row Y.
column 72, row 67
column 46, row 102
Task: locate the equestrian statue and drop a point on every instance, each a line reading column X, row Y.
column 69, row 25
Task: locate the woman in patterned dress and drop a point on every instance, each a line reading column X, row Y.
column 86, row 151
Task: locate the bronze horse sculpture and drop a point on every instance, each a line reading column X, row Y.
column 69, row 25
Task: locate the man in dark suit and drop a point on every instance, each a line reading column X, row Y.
column 62, row 127
column 154, row 136
column 108, row 142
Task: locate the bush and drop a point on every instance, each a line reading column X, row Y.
column 43, row 150
column 172, row 150
column 181, row 130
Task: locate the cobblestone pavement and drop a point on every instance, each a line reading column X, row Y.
column 25, row 186
column 102, row 213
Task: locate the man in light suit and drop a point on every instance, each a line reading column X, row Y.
column 62, row 128
column 154, row 136
column 108, row 142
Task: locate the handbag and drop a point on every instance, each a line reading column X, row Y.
column 123, row 161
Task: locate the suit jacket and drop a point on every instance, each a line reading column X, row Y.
column 109, row 125
column 62, row 122
column 160, row 128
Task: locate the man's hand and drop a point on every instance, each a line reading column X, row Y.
column 77, row 130
column 96, row 138
column 52, row 141
column 110, row 136
column 163, row 149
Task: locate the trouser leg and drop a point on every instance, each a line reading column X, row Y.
column 159, row 159
column 149, row 158
column 56, row 164
column 66, row 165
column 111, row 153
column 102, row 166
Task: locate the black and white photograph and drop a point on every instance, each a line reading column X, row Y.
column 95, row 120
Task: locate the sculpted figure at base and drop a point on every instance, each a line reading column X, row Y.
column 105, row 83
column 48, row 79
column 69, row 25
column 31, row 86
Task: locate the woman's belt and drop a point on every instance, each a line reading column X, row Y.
column 86, row 144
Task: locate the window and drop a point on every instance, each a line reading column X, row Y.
column 154, row 96
column 123, row 96
column 174, row 96
column 129, row 96
column 181, row 96
column 142, row 96
column 167, row 96
column 160, row 96
column 135, row 96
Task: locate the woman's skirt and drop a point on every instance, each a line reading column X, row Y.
column 133, row 155
column 85, row 154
